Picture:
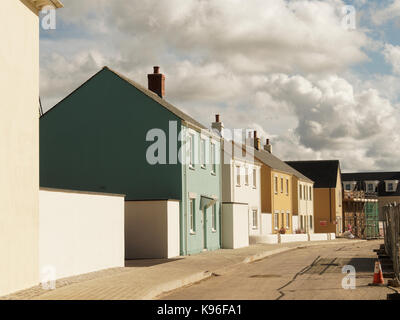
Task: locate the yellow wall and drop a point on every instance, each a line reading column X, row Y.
column 282, row 201
column 19, row 146
column 295, row 195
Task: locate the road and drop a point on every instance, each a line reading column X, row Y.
column 312, row 273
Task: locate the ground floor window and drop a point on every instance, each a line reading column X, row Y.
column 214, row 217
column 311, row 222
column 287, row 220
column 302, row 222
column 255, row 219
column 276, row 220
column 192, row 215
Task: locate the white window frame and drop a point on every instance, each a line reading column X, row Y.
column 192, row 215
column 237, row 173
column 214, row 218
column 254, row 213
column 287, row 226
column 203, row 159
column 191, row 150
column 276, row 220
column 246, row 175
column 254, row 178
column 213, row 151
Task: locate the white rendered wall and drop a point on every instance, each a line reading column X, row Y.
column 295, row 222
column 306, row 206
column 19, row 146
column 266, row 223
column 151, row 229
column 80, row 232
column 293, row 237
column 318, row 236
column 235, row 232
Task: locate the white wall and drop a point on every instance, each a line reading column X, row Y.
column 19, row 146
column 235, row 232
column 293, row 237
column 152, row 229
column 295, row 222
column 318, row 236
column 80, row 232
column 266, row 223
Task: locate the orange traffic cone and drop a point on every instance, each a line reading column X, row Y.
column 378, row 275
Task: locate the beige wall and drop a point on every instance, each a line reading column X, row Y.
column 80, row 232
column 19, row 147
column 151, row 229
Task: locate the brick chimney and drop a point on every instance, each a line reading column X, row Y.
column 156, row 82
column 257, row 143
column 218, row 125
column 267, row 146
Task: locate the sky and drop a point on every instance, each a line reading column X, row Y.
column 317, row 80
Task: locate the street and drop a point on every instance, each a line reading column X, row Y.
column 313, row 273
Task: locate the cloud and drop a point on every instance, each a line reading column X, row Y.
column 386, row 14
column 392, row 56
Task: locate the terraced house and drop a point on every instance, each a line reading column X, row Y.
column 113, row 135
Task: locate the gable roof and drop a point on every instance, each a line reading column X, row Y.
column 361, row 177
column 180, row 114
column 323, row 172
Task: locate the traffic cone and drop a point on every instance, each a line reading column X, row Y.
column 378, row 275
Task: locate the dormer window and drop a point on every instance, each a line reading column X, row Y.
column 370, row 186
column 391, row 185
column 349, row 185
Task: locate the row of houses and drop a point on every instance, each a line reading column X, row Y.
column 114, row 135
column 124, row 174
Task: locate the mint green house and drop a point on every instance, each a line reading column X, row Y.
column 113, row 135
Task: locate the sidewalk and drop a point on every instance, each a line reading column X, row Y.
column 147, row 279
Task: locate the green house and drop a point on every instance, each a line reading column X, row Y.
column 112, row 135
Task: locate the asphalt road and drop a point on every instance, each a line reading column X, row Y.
column 312, row 273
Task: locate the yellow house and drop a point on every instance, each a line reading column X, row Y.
column 277, row 194
column 19, row 143
column 327, row 193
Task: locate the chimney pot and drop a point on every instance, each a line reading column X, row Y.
column 267, row 141
column 156, row 69
column 217, row 118
column 255, row 134
column 268, row 147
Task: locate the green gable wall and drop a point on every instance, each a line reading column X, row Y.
column 95, row 140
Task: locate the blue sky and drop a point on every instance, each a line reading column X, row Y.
column 286, row 68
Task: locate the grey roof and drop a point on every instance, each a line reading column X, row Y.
column 155, row 97
column 273, row 162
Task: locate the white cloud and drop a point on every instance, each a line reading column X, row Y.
column 386, row 14
column 392, row 56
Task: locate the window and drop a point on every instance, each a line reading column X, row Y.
column 311, row 222
column 371, row 187
column 246, row 176
column 203, row 153
column 305, row 192
column 310, row 192
column 301, row 222
column 238, row 176
column 255, row 219
column 213, row 158
column 300, row 191
column 390, row 186
column 347, row 187
column 287, row 220
column 254, row 178
column 287, row 186
column 276, row 185
column 281, row 185
column 276, row 220
column 192, row 215
column 191, row 151
column 214, row 217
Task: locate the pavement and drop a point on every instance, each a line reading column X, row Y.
column 312, row 273
column 150, row 278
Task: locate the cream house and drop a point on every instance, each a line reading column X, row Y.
column 241, row 192
column 19, row 142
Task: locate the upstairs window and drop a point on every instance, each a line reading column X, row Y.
column 347, row 187
column 213, row 158
column 276, row 185
column 391, row 185
column 246, row 176
column 238, row 176
column 310, row 192
column 287, row 186
column 300, row 191
column 191, row 150
column 370, row 187
column 281, row 185
column 254, row 178
column 203, row 153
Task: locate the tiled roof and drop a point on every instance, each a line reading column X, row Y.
column 322, row 172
